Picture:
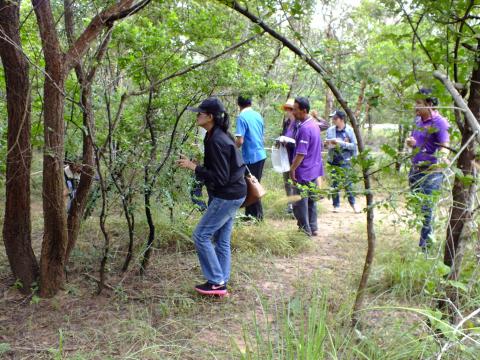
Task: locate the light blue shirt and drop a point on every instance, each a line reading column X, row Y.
column 250, row 127
column 347, row 148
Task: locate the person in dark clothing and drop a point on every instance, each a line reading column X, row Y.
column 223, row 174
column 342, row 147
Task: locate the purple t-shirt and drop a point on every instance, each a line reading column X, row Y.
column 309, row 143
column 428, row 135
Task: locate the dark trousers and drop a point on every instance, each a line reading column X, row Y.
column 255, row 210
column 342, row 177
column 305, row 210
column 289, row 188
column 426, row 183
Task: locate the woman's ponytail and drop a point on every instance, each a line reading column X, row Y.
column 222, row 120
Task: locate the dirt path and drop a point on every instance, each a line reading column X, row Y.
column 333, row 249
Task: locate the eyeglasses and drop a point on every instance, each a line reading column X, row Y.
column 201, row 113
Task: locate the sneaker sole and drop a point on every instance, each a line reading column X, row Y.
column 212, row 292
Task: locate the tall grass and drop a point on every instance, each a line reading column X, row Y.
column 298, row 331
column 304, row 328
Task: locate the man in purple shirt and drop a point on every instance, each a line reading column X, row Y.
column 429, row 141
column 306, row 166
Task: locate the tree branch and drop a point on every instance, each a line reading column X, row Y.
column 154, row 85
column 457, row 41
column 115, row 12
column 320, row 69
column 471, row 119
column 418, row 37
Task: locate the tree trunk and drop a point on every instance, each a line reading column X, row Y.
column 17, row 224
column 462, row 211
column 402, row 136
column 57, row 66
column 54, row 244
column 103, row 227
column 151, row 225
column 79, row 202
column 148, row 186
column 368, row 119
column 361, row 97
column 329, row 99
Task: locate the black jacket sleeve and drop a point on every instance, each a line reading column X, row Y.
column 219, row 173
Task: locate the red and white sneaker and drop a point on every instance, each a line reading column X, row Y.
column 212, row 289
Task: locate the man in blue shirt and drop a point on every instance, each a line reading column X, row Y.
column 249, row 136
column 342, row 146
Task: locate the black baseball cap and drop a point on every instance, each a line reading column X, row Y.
column 212, row 105
column 338, row 113
column 427, row 95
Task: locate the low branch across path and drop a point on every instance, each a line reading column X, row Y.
column 459, row 101
column 322, row 71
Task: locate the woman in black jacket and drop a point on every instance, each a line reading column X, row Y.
column 223, row 173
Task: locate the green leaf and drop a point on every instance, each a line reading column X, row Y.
column 458, row 285
column 390, row 151
column 442, row 269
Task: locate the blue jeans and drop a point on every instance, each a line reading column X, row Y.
column 216, row 224
column 341, row 174
column 305, row 210
column 425, row 183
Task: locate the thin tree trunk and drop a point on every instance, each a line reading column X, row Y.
column 54, row 244
column 103, row 227
column 402, row 136
column 460, row 214
column 368, row 119
column 125, row 192
column 151, row 225
column 17, row 224
column 461, row 211
column 81, row 195
column 329, row 100
column 148, row 187
column 361, row 97
column 79, row 202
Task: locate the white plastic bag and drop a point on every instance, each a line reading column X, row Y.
column 280, row 160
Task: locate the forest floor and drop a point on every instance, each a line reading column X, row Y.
column 159, row 316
